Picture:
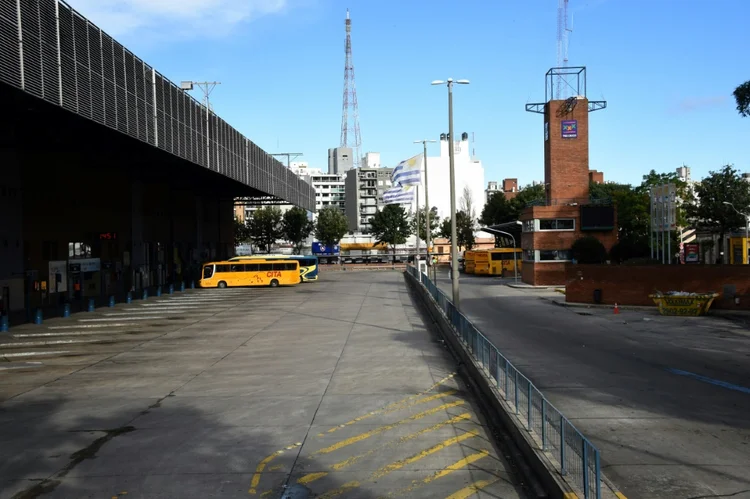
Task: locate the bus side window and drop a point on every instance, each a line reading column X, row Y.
column 264, row 267
column 251, row 267
column 290, row 266
column 238, row 267
column 222, row 268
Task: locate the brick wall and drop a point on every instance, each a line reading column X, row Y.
column 596, row 177
column 554, row 273
column 566, row 160
column 631, row 285
column 543, row 273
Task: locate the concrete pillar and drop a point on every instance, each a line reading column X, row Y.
column 137, row 248
column 11, row 232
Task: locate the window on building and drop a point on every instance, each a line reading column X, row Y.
column 554, row 255
column 557, row 224
column 528, row 226
column 79, row 250
column 528, row 255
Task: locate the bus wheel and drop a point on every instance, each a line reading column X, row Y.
column 274, row 283
column 222, row 284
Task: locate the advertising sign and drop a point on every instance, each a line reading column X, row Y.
column 692, row 253
column 569, row 129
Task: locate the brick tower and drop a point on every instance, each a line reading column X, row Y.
column 552, row 225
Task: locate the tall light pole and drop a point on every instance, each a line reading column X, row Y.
column 454, row 243
column 745, row 258
column 428, row 235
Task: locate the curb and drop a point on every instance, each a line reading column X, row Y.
column 539, row 464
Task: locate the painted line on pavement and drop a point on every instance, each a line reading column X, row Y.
column 397, row 465
column 33, row 354
column 122, row 318
column 472, row 489
column 392, row 406
column 712, row 381
column 411, row 436
column 381, row 429
column 262, row 466
column 77, row 326
column 108, row 332
column 458, row 465
column 24, row 344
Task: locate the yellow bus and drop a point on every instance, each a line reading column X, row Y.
column 469, row 262
column 481, row 262
column 501, row 261
column 258, row 273
column 308, row 264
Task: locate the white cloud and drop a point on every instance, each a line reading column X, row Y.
column 174, row 18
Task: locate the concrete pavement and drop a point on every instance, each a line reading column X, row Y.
column 336, row 388
column 666, row 400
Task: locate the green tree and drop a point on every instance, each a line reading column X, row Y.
column 422, row 229
column 742, row 96
column 296, row 227
column 241, row 232
column 464, row 230
column 588, row 249
column 498, row 209
column 391, row 226
column 331, row 226
column 265, row 227
column 633, row 217
column 725, row 185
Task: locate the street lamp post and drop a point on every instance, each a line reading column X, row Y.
column 454, row 232
column 745, row 258
column 428, row 235
column 515, row 256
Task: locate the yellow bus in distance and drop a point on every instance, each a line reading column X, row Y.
column 258, row 273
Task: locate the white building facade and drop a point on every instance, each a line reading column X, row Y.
column 469, row 173
column 329, row 188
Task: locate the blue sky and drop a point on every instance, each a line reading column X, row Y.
column 666, row 67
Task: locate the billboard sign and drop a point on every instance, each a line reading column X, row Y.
column 692, row 253
column 569, row 129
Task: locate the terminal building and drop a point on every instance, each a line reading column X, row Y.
column 114, row 179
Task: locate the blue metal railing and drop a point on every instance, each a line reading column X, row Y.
column 573, row 455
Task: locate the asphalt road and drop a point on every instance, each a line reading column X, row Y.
column 334, row 389
column 666, row 400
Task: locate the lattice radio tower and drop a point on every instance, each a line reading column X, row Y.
column 562, row 43
column 350, row 101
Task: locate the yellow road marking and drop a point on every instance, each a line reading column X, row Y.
column 395, row 406
column 259, row 470
column 461, row 463
column 397, row 465
column 266, row 493
column 416, row 457
column 457, row 465
column 381, row 429
column 475, row 487
column 341, row 490
column 262, row 465
column 311, row 477
column 620, row 495
column 276, row 467
column 348, row 462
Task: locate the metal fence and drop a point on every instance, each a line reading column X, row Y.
column 50, row 51
column 573, row 455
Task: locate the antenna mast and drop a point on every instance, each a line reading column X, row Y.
column 562, row 42
column 350, row 101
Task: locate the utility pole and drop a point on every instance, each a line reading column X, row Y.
column 207, row 87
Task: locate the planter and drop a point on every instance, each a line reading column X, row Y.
column 687, row 305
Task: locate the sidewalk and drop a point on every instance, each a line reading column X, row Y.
column 334, row 387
